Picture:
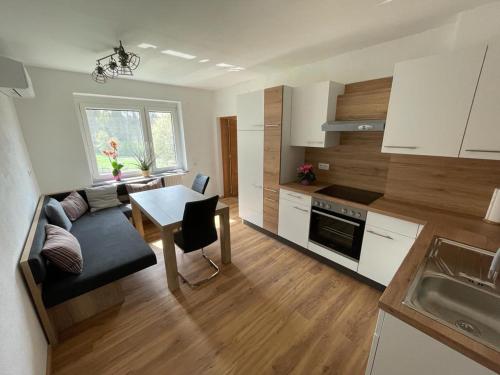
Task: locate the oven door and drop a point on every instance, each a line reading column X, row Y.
column 336, row 232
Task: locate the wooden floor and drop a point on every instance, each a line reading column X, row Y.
column 274, row 310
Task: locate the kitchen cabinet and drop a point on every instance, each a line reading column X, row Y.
column 294, row 217
column 430, row 101
column 482, row 136
column 312, row 106
column 386, row 242
column 398, row 348
column 250, row 110
column 280, row 160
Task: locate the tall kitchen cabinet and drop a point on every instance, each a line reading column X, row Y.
column 430, row 102
column 250, row 125
column 280, row 160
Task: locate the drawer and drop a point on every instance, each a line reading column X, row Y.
column 391, row 224
column 294, row 197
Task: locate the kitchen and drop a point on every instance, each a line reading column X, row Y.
column 401, row 163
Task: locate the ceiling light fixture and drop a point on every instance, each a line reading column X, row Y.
column 236, row 69
column 224, row 65
column 204, row 60
column 384, row 2
column 127, row 61
column 182, row 55
column 146, row 46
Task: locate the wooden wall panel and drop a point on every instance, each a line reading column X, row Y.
column 458, row 185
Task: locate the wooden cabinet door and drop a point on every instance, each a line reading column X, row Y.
column 229, row 153
column 482, row 137
column 430, row 101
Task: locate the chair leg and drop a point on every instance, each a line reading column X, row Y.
column 198, row 283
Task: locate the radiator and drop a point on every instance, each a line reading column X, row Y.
column 175, row 179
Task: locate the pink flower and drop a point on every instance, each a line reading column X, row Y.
column 113, row 143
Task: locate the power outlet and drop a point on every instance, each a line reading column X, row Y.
column 324, row 166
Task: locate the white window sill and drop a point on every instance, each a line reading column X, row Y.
column 140, row 178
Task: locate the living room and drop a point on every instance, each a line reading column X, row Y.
column 168, row 160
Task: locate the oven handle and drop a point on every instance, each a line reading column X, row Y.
column 336, row 218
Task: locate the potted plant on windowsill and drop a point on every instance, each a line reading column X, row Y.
column 144, row 161
column 112, row 155
column 305, row 174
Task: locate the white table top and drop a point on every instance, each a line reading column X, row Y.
column 165, row 206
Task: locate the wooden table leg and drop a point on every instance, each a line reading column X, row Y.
column 225, row 234
column 137, row 216
column 170, row 258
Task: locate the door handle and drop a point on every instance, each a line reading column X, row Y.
column 380, row 235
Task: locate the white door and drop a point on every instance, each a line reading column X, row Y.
column 431, row 98
column 250, row 175
column 382, row 253
column 250, row 110
column 482, row 137
column 293, row 222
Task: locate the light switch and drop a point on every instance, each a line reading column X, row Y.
column 324, row 166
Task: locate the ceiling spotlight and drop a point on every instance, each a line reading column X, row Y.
column 236, row 69
column 224, row 65
column 146, row 46
column 384, row 2
column 204, row 60
column 182, row 55
column 127, row 61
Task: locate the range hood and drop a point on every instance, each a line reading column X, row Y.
column 354, row 126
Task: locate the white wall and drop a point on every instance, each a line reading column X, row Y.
column 23, row 345
column 52, row 131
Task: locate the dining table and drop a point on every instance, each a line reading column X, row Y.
column 164, row 207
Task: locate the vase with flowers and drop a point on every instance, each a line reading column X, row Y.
column 305, row 174
column 112, row 154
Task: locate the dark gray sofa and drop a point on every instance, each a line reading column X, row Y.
column 111, row 249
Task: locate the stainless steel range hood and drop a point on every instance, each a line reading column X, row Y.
column 354, row 126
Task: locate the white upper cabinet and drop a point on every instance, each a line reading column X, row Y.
column 250, row 111
column 482, row 137
column 312, row 106
column 430, row 102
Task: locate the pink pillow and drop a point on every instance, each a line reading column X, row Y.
column 62, row 249
column 136, row 188
column 74, row 206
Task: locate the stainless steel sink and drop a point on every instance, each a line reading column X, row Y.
column 452, row 287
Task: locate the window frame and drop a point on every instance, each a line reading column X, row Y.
column 143, row 106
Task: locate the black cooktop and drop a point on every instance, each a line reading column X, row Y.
column 350, row 194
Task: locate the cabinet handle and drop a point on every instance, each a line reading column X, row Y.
column 272, row 126
column 380, row 235
column 476, row 150
column 407, row 147
column 301, row 209
column 272, row 190
column 257, row 186
column 270, row 199
column 295, row 196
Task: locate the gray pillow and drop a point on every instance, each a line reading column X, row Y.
column 56, row 215
column 102, row 197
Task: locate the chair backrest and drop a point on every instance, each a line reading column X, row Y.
column 200, row 183
column 198, row 225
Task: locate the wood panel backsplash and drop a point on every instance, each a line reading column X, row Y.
column 454, row 184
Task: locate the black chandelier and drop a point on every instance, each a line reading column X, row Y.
column 119, row 63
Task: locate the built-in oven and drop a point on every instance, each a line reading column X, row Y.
column 337, row 228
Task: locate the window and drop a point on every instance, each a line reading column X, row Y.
column 138, row 126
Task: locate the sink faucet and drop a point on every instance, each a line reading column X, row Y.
column 495, row 267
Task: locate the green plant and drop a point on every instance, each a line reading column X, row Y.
column 144, row 160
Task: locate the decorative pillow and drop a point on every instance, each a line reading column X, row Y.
column 56, row 215
column 102, row 197
column 136, row 188
column 74, row 206
column 62, row 249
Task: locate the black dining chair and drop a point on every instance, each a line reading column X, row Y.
column 200, row 183
column 197, row 231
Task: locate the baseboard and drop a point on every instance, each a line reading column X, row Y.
column 319, row 258
column 48, row 368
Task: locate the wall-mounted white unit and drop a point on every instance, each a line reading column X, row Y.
column 14, row 80
column 430, row 102
column 312, row 106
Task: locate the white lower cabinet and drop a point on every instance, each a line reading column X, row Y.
column 398, row 348
column 386, row 243
column 294, row 217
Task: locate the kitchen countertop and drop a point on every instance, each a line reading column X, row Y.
column 467, row 229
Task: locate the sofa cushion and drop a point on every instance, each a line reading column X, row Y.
column 111, row 248
column 62, row 249
column 102, row 197
column 74, row 205
column 56, row 214
column 136, row 188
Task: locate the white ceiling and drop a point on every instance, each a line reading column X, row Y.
column 263, row 36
